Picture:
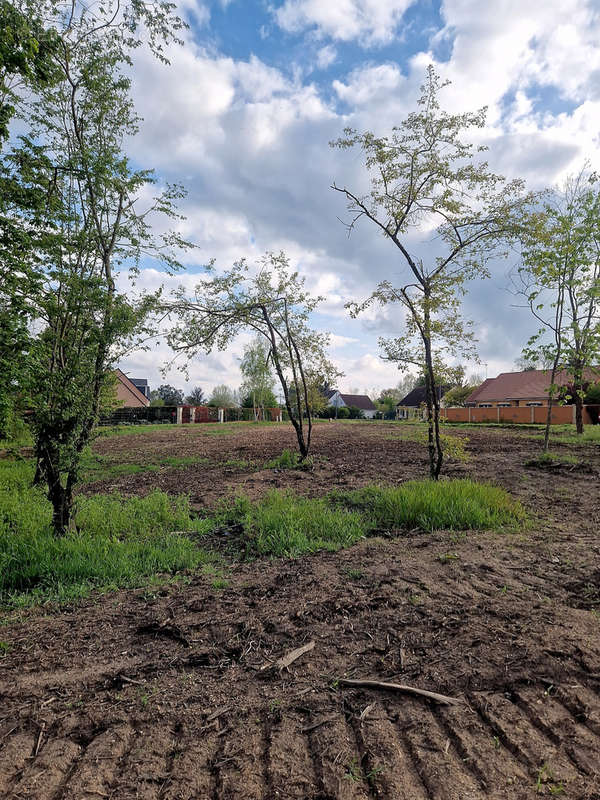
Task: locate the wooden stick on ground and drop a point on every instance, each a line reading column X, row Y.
column 287, row 660
column 398, row 687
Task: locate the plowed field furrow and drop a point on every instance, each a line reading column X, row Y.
column 524, row 740
column 582, row 747
column 98, row 770
column 393, row 772
column 338, row 762
column 46, row 774
column 584, row 704
column 190, row 777
column 435, row 758
column 14, row 757
column 482, row 751
column 145, row 772
column 242, row 770
column 291, row 769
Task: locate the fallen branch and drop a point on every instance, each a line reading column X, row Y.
column 285, row 661
column 398, row 687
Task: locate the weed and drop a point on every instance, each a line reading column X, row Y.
column 353, row 771
column 4, row 648
column 355, row 574
column 220, row 583
column 289, row 459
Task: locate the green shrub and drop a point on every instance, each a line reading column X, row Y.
column 429, row 505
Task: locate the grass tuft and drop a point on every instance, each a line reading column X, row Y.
column 283, row 524
column 289, row 459
column 429, row 505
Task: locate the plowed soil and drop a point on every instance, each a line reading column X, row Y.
column 175, row 693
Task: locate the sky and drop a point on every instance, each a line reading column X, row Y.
column 244, row 114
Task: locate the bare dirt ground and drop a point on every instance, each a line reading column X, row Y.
column 172, row 693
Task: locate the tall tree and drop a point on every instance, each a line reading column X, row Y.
column 87, row 229
column 258, row 375
column 425, row 176
column 196, row 396
column 560, row 277
column 223, row 396
column 271, row 301
column 168, row 395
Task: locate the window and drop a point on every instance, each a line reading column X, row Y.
column 533, row 404
column 485, row 405
column 503, row 405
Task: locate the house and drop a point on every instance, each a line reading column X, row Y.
column 521, row 389
column 412, row 405
column 128, row 394
column 142, row 385
column 338, row 400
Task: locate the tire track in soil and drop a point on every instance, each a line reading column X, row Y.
column 144, row 772
column 98, row 770
column 45, row 776
column 14, row 757
column 434, row 756
column 527, row 743
column 558, row 725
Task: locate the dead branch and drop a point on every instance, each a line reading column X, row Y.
column 398, row 687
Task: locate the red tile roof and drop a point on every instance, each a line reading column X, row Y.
column 529, row 385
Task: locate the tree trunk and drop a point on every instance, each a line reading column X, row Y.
column 436, row 455
column 550, row 403
column 579, row 413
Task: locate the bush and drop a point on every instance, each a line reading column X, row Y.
column 342, row 413
column 355, row 413
column 592, row 396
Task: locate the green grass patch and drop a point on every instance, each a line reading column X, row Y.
column 289, row 459
column 429, row 505
column 283, row 524
column 549, row 459
column 116, row 542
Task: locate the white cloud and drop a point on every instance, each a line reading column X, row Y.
column 326, row 56
column 250, row 143
column 368, row 21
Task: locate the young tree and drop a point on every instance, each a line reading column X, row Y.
column 258, row 376
column 425, row 176
column 270, row 300
column 223, row 397
column 560, row 277
column 87, row 228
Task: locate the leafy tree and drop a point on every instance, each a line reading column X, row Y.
column 560, row 278
column 592, row 396
column 84, row 226
column 272, row 302
column 258, row 376
column 223, row 397
column 169, row 395
column 195, row 397
column 268, row 400
column 457, row 396
column 425, row 176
